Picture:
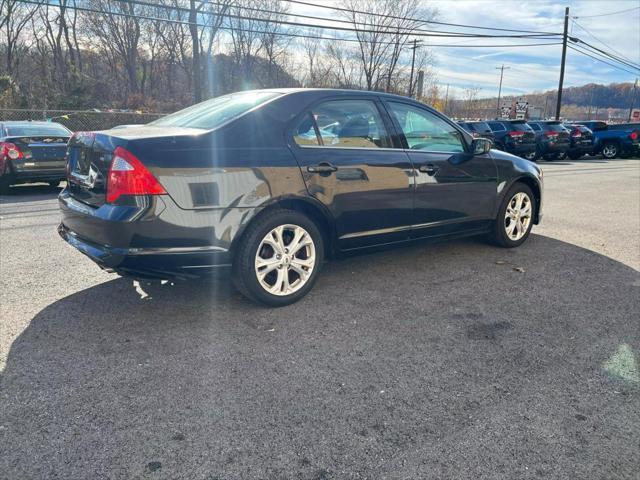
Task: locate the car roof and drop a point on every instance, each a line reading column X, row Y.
column 17, row 123
column 337, row 91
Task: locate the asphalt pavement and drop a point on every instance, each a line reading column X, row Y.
column 446, row 361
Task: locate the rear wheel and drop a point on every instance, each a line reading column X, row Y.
column 279, row 258
column 609, row 150
column 574, row 155
column 4, row 185
column 515, row 218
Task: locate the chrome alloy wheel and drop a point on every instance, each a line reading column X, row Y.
column 285, row 260
column 517, row 218
column 609, row 150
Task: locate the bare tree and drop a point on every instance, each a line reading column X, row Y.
column 14, row 17
column 470, row 97
column 383, row 28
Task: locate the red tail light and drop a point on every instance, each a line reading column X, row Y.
column 576, row 134
column 10, row 151
column 516, row 134
column 633, row 136
column 128, row 176
column 551, row 134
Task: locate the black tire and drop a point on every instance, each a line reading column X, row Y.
column 532, row 157
column 574, row 155
column 54, row 184
column 498, row 235
column 610, row 150
column 561, row 155
column 244, row 273
column 4, row 185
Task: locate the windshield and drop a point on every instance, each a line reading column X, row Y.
column 37, row 130
column 213, row 113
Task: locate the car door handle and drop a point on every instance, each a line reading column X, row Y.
column 323, row 167
column 429, row 169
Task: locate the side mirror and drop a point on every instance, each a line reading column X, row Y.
column 480, row 146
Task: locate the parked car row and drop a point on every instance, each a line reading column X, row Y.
column 552, row 139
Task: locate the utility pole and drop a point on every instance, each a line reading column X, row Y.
column 413, row 63
column 633, row 99
column 562, row 62
column 446, row 99
column 502, row 69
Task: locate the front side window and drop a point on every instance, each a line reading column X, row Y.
column 425, row 130
column 350, row 124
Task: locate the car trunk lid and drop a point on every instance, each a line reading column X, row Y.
column 40, row 154
column 90, row 154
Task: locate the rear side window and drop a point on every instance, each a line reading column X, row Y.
column 37, row 131
column 425, row 130
column 496, row 126
column 535, row 126
column 217, row 111
column 350, row 124
column 305, row 133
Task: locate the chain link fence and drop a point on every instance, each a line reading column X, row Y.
column 80, row 120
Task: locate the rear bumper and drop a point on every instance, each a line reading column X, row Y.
column 14, row 178
column 521, row 149
column 546, row 148
column 171, row 262
column 154, row 238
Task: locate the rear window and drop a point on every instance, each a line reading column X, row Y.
column 480, row 126
column 535, row 127
column 37, row 130
column 217, row 111
column 554, row 127
column 496, row 126
column 523, row 126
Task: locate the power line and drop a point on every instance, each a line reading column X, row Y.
column 349, row 22
column 610, row 13
column 598, row 51
column 601, row 42
column 284, row 34
column 390, row 30
column 574, row 47
column 342, row 9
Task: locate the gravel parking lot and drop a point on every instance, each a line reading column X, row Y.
column 455, row 360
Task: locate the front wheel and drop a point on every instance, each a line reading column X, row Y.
column 515, row 218
column 609, row 150
column 279, row 258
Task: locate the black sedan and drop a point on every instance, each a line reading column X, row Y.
column 267, row 184
column 32, row 152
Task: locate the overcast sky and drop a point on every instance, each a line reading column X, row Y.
column 532, row 68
